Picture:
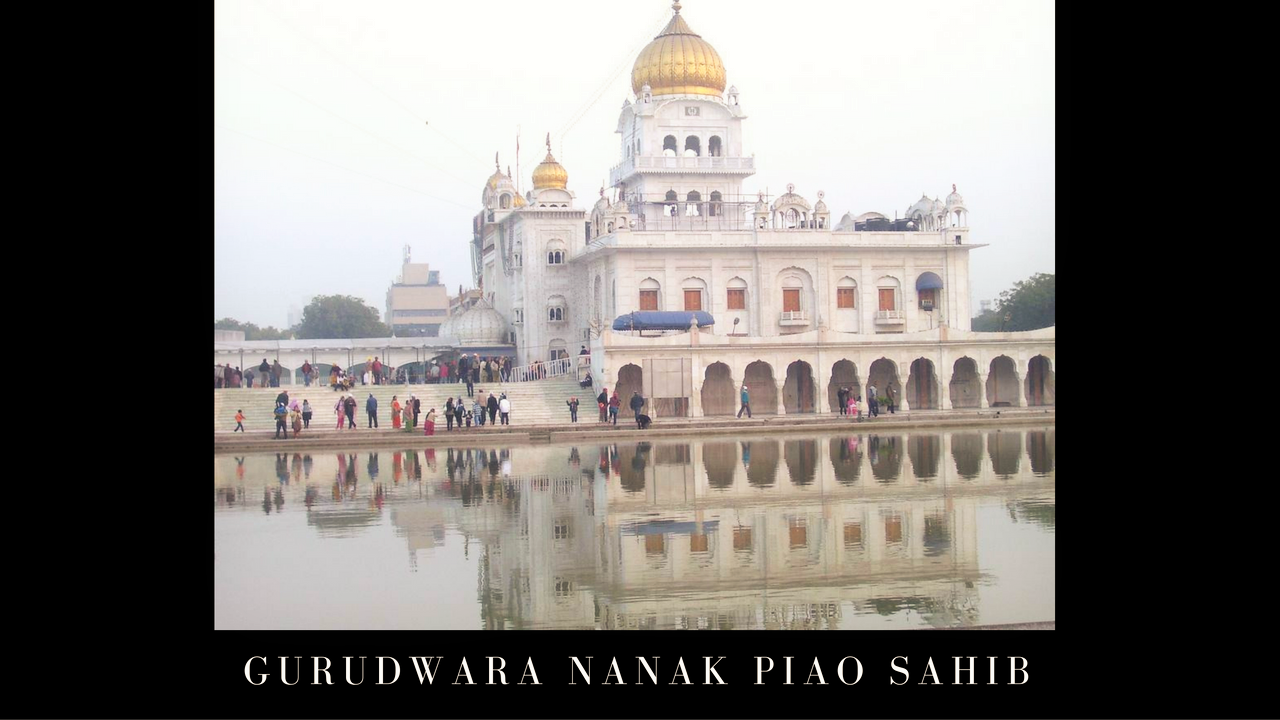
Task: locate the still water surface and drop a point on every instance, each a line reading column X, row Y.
column 842, row 531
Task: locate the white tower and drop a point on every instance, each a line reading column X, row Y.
column 682, row 153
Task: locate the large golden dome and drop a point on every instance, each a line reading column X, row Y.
column 549, row 173
column 678, row 62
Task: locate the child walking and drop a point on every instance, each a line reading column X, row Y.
column 239, row 421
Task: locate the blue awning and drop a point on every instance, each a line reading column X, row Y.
column 662, row 527
column 662, row 320
column 928, row 281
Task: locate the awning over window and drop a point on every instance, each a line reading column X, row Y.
column 928, row 281
column 662, row 320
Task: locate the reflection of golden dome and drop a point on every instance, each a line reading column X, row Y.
column 678, row 62
column 549, row 173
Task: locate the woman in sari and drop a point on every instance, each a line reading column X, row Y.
column 395, row 413
column 430, row 423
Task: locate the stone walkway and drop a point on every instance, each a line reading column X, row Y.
column 588, row 429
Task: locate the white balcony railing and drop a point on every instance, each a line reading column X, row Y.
column 890, row 317
column 542, row 370
column 794, row 317
column 626, row 167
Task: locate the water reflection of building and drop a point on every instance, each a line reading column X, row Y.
column 758, row 533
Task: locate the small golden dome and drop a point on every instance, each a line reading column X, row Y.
column 497, row 175
column 678, row 62
column 549, row 173
column 520, row 201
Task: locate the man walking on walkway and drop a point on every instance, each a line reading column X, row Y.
column 281, row 412
column 746, row 403
column 350, row 406
column 873, row 402
column 306, row 372
column 637, row 403
column 371, row 409
column 493, row 408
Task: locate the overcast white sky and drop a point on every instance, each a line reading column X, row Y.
column 325, row 166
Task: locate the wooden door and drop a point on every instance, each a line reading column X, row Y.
column 886, row 298
column 648, row 299
column 692, row 299
column 791, row 300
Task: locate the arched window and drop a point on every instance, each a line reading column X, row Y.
column 737, row 294
column 714, row 208
column 887, row 295
column 504, row 202
column 672, row 196
column 556, row 309
column 797, row 300
column 649, row 294
column 556, row 350
column 713, row 147
column 692, row 200
column 694, row 196
column 692, row 146
column 694, row 290
column 846, row 294
column 669, row 146
column 556, row 252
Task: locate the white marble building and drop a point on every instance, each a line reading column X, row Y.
column 677, row 231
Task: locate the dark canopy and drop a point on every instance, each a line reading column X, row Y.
column 928, row 281
column 662, row 320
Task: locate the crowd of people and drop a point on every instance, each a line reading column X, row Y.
column 469, row 369
column 496, row 410
column 265, row 375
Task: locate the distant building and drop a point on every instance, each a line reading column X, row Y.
column 984, row 306
column 463, row 301
column 417, row 303
column 295, row 315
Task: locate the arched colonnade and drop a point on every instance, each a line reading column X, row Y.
column 784, row 385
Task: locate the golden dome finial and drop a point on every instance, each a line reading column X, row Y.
column 678, row 62
column 549, row 173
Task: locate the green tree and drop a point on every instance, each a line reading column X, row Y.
column 339, row 316
column 988, row 321
column 251, row 331
column 1029, row 305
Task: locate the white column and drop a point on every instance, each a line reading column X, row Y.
column 944, row 389
column 983, row 403
column 782, row 408
column 821, row 404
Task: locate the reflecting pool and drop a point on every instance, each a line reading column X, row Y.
column 833, row 531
